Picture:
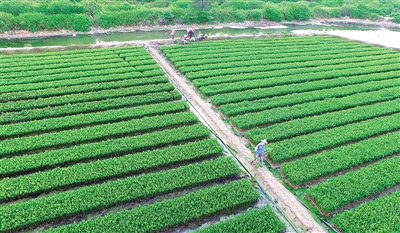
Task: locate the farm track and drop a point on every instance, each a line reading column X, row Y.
column 286, row 200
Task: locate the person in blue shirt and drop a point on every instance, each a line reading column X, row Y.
column 260, row 150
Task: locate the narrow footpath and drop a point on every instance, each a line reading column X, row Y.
column 286, row 201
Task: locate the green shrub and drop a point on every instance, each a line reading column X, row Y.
column 396, row 17
column 239, row 15
column 273, row 13
column 320, row 12
column 6, row 21
column 334, row 12
column 14, row 7
column 255, row 15
column 81, row 23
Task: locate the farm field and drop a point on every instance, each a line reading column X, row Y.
column 329, row 108
column 94, row 136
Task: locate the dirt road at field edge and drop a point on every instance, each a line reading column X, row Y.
column 286, row 200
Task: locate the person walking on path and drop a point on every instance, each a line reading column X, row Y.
column 260, row 150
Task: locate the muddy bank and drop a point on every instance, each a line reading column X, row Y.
column 262, row 24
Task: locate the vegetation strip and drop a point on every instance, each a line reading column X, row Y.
column 379, row 215
column 67, row 122
column 339, row 191
column 290, row 62
column 60, row 65
column 325, row 121
column 280, row 114
column 79, row 80
column 233, row 78
column 91, row 87
column 114, row 192
column 86, row 173
column 304, row 97
column 261, row 53
column 70, row 137
column 84, row 97
column 29, row 74
column 257, row 220
column 260, row 93
column 169, row 213
column 225, row 53
column 86, row 107
column 339, row 64
column 298, row 78
column 309, row 143
column 341, row 158
column 103, row 149
column 64, row 76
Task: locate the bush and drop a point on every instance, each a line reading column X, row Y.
column 320, row 12
column 14, row 7
column 302, row 12
column 396, row 17
column 243, row 5
column 7, row 21
column 81, row 23
column 239, row 15
column 334, row 13
column 272, row 13
column 255, row 15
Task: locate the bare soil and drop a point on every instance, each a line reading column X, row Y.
column 284, row 198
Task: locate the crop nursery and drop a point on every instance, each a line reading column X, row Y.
column 329, row 108
column 99, row 140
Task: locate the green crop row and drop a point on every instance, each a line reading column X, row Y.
column 274, row 47
column 49, row 92
column 380, row 216
column 49, row 57
column 223, row 79
column 304, row 97
column 84, row 97
column 322, row 122
column 257, row 220
column 338, row 64
column 280, row 114
column 261, row 54
column 78, row 80
column 37, row 59
column 341, row 158
column 168, row 213
column 297, row 78
column 60, row 65
column 64, row 76
column 339, row 191
column 66, row 70
column 103, row 149
column 290, row 62
column 245, row 41
column 86, row 173
column 29, row 127
column 86, row 107
column 232, row 51
column 309, row 143
column 260, row 93
column 44, row 63
column 115, row 192
column 99, row 132
column 52, row 55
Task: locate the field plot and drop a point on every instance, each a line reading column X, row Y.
column 101, row 135
column 329, row 108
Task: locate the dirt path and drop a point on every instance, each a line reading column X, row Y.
column 286, row 200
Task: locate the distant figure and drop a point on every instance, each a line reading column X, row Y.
column 192, row 39
column 191, row 33
column 201, row 36
column 184, row 39
column 260, row 150
column 173, row 34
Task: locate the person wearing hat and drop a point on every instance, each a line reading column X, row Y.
column 260, row 150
